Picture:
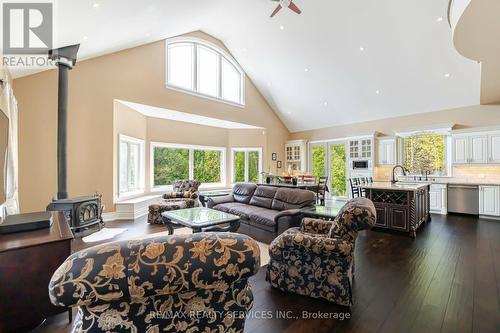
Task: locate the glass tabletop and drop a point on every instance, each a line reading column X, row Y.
column 200, row 216
column 329, row 211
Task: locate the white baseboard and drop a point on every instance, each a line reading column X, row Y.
column 131, row 209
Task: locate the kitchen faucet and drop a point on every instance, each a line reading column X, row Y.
column 393, row 178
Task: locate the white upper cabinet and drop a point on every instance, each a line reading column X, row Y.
column 296, row 155
column 460, row 150
column 360, row 148
column 476, row 148
column 386, row 152
column 494, row 144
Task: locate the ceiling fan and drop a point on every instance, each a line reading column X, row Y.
column 286, row 3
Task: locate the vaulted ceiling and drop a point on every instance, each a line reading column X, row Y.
column 338, row 62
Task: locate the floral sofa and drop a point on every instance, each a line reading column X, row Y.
column 181, row 283
column 317, row 259
column 184, row 195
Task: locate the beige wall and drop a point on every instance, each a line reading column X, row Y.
column 466, row 117
column 131, row 123
column 136, row 75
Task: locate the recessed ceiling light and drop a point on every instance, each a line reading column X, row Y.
column 377, row 92
column 282, row 27
column 325, row 103
column 439, row 19
column 289, row 112
column 306, row 70
column 447, row 75
column 85, row 37
column 361, row 48
column 96, row 4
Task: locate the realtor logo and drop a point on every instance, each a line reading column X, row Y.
column 27, row 28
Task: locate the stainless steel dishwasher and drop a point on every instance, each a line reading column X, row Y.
column 463, row 199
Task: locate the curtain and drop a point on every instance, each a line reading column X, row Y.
column 8, row 105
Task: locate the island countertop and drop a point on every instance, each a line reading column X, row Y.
column 403, row 186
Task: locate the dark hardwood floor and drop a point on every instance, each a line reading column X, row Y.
column 446, row 280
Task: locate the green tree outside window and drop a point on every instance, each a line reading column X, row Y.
column 425, row 153
column 170, row 164
column 207, row 166
column 338, row 169
column 239, row 166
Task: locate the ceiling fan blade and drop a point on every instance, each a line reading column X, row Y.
column 276, row 10
column 294, row 7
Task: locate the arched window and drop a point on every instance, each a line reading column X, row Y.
column 198, row 67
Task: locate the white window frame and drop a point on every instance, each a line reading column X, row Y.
column 447, row 148
column 191, row 149
column 246, row 151
column 195, row 87
column 142, row 166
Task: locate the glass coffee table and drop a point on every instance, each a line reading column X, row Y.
column 321, row 212
column 201, row 219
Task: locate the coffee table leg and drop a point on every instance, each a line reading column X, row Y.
column 234, row 226
column 168, row 224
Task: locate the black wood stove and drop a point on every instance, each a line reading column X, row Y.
column 81, row 212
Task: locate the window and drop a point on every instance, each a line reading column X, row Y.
column 425, row 152
column 131, row 166
column 199, row 67
column 318, row 159
column 246, row 165
column 171, row 162
column 329, row 159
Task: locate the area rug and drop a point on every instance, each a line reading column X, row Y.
column 103, row 234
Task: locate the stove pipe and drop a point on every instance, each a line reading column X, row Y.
column 65, row 59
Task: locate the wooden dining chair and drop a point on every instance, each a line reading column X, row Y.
column 354, row 182
column 321, row 190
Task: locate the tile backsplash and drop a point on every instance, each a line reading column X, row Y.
column 481, row 173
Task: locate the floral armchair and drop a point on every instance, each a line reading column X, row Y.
column 317, row 259
column 183, row 195
column 181, row 283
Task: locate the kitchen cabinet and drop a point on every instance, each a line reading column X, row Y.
column 460, row 150
column 438, row 199
column 476, row 148
column 295, row 155
column 360, row 148
column 489, row 200
column 494, row 147
column 386, row 152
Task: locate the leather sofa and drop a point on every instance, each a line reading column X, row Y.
column 270, row 210
column 179, row 283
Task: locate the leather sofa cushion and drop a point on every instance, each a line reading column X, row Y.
column 286, row 198
column 263, row 196
column 264, row 217
column 244, row 211
column 243, row 192
column 225, row 207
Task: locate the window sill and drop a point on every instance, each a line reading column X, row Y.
column 129, row 195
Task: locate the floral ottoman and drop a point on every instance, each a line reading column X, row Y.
column 154, row 216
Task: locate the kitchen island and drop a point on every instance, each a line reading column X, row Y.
column 402, row 207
